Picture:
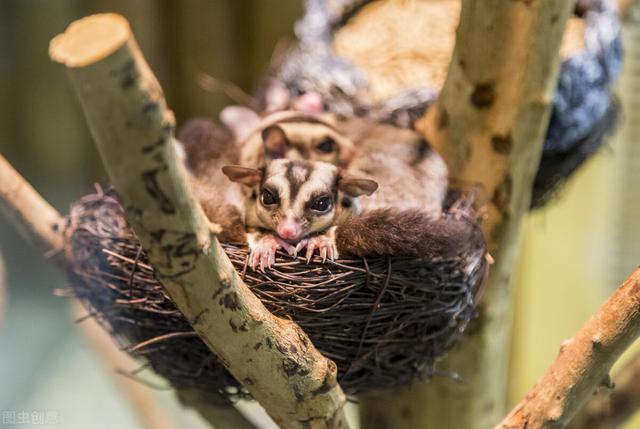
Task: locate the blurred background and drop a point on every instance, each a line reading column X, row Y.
column 574, row 253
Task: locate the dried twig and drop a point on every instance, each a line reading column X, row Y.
column 583, row 363
column 133, row 129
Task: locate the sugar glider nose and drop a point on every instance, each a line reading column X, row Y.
column 289, row 230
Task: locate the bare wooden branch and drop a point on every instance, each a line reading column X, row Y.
column 38, row 222
column 127, row 114
column 614, row 405
column 489, row 125
column 583, row 363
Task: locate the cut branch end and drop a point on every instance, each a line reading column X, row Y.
column 90, row 39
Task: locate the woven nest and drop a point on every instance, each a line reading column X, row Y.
column 388, row 59
column 384, row 321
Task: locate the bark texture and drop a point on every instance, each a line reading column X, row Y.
column 133, row 129
column 613, row 405
column 489, row 124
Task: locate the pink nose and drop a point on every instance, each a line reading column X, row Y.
column 311, row 102
column 288, row 231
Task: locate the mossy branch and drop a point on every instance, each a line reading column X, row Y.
column 489, row 125
column 133, row 129
column 583, row 363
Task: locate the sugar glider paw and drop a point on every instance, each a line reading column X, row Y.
column 325, row 244
column 263, row 249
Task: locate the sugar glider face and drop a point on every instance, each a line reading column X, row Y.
column 297, row 136
column 295, row 199
column 307, row 140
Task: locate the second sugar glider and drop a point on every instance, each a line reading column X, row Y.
column 411, row 174
column 293, row 204
column 287, row 134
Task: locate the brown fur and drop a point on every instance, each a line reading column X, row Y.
column 208, row 147
column 229, row 218
column 303, row 134
column 406, row 233
column 411, row 174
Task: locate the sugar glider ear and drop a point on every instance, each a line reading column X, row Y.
column 356, row 186
column 275, row 142
column 241, row 120
column 276, row 96
column 246, row 176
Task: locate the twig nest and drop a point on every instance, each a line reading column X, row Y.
column 383, row 320
column 388, row 59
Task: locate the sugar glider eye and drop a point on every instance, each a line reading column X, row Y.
column 268, row 198
column 322, row 204
column 327, row 145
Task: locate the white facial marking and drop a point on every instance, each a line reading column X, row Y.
column 321, row 178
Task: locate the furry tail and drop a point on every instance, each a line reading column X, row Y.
column 409, row 233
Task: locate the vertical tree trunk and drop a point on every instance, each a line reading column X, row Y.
column 489, row 124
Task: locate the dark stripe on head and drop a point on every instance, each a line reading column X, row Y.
column 297, row 180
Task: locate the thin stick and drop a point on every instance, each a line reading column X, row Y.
column 583, row 363
column 133, row 129
column 37, row 221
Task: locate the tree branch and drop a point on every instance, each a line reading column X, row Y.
column 38, row 222
column 612, row 407
column 35, row 218
column 489, row 125
column 127, row 114
column 583, row 363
